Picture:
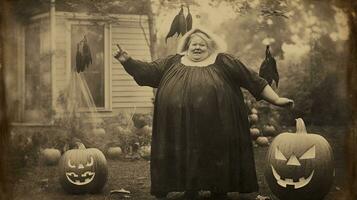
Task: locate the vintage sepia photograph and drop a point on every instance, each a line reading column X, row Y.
column 178, row 99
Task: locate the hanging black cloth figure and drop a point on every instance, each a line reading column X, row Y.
column 268, row 69
column 188, row 19
column 87, row 57
column 79, row 60
column 178, row 25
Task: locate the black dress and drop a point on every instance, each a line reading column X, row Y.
column 201, row 138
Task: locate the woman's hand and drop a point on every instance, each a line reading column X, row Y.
column 270, row 96
column 120, row 54
column 284, row 102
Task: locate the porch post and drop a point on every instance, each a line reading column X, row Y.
column 53, row 51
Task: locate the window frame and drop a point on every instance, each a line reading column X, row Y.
column 107, row 52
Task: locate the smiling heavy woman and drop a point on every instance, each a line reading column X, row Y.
column 201, row 138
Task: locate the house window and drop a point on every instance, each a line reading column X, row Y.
column 37, row 97
column 95, row 73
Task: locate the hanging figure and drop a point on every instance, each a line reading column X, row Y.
column 79, row 60
column 268, row 69
column 87, row 57
column 201, row 138
column 188, row 19
column 178, row 25
column 84, row 57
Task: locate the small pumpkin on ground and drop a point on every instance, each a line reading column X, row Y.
column 300, row 165
column 114, row 152
column 51, row 156
column 254, row 111
column 253, row 118
column 99, row 132
column 248, row 103
column 254, row 133
column 119, row 130
column 143, row 131
column 139, row 120
column 83, row 170
column 145, row 152
column 262, row 141
column 269, row 130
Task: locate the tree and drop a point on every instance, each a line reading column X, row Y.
column 5, row 188
column 350, row 8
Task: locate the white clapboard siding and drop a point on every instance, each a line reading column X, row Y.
column 132, row 94
column 120, row 76
column 125, row 91
column 134, row 105
column 61, row 72
column 130, row 88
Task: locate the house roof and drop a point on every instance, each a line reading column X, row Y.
column 27, row 8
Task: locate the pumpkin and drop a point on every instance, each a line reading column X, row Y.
column 99, row 132
column 83, row 170
column 254, row 133
column 139, row 120
column 262, row 141
column 299, row 165
column 122, row 131
column 145, row 152
column 144, row 131
column 51, row 156
column 254, row 111
column 269, row 130
column 114, row 152
column 248, row 103
column 253, row 118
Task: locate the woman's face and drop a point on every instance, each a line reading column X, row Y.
column 198, row 49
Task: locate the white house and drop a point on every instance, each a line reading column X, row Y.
column 40, row 55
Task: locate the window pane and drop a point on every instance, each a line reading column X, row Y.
column 94, row 74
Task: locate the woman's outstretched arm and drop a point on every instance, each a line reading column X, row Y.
column 270, row 96
column 250, row 80
column 144, row 73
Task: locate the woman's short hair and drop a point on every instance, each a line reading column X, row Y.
column 213, row 42
column 203, row 36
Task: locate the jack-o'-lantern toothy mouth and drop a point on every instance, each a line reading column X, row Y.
column 82, row 179
column 296, row 184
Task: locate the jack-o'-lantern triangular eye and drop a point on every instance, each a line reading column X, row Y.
column 70, row 164
column 309, row 154
column 279, row 155
column 91, row 162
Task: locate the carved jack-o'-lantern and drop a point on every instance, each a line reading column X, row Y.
column 83, row 170
column 299, row 165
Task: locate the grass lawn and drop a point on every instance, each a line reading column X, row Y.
column 41, row 182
